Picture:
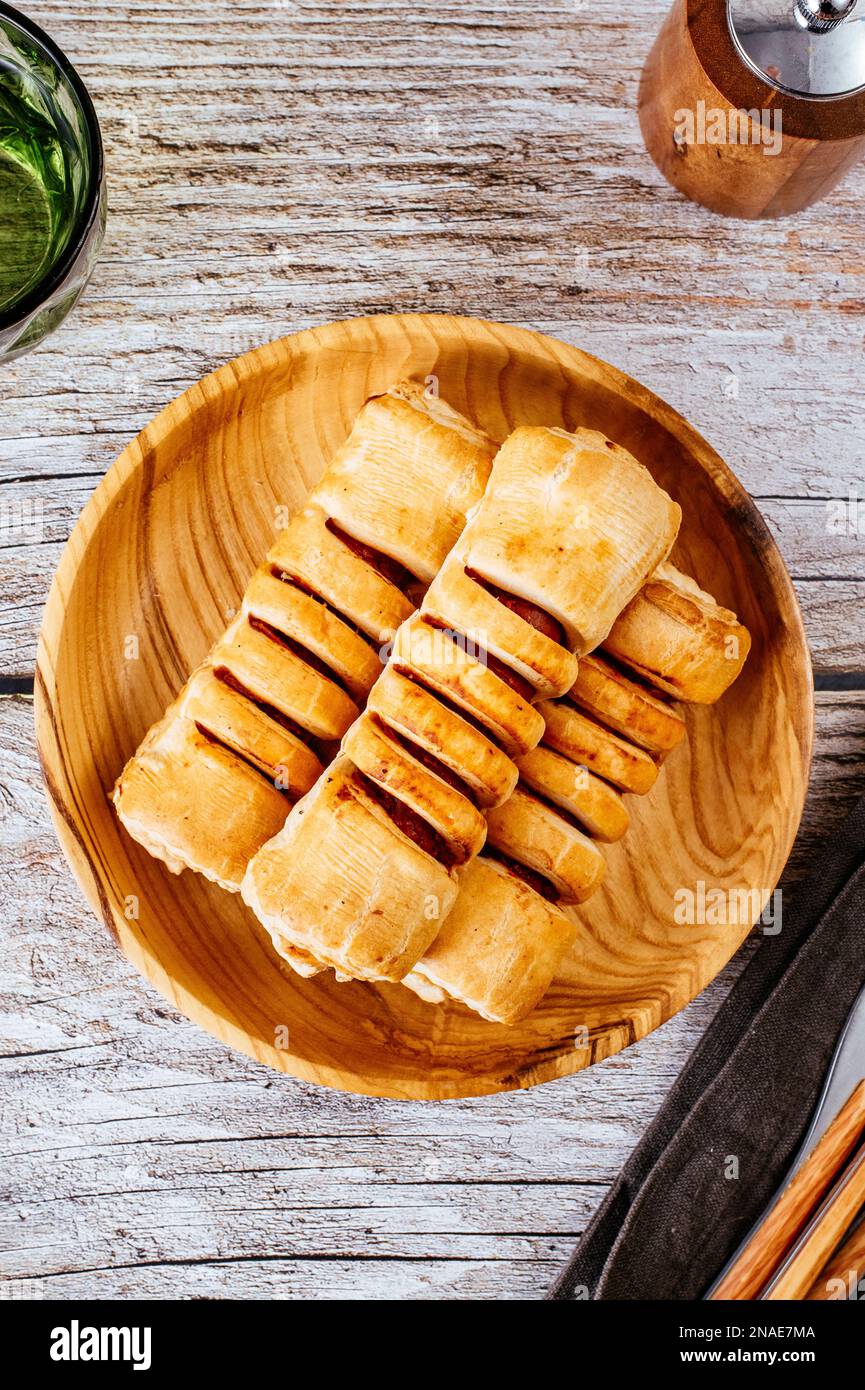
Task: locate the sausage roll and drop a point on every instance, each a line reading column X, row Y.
column 570, row 525
column 499, row 947
column 603, row 740
column 678, row 638
column 392, row 896
column 253, row 729
column 603, row 691
column 596, row 805
column 184, row 784
column 496, row 633
column 591, row 745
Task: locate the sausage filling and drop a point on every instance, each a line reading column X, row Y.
column 419, row 831
column 530, row 613
column 389, row 569
column 534, row 880
column 303, row 653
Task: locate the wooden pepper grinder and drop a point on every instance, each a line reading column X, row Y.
column 756, row 108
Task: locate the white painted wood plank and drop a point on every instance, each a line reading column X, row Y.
column 274, row 165
column 140, row 1157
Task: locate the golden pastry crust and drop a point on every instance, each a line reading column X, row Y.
column 676, row 636
column 630, row 709
column 571, row 523
column 235, row 721
column 417, row 714
column 499, row 949
column 179, row 786
column 593, row 802
column 462, row 677
column 303, row 963
column 309, row 552
column 591, row 745
column 273, row 674
column 380, row 757
column 532, row 833
column 409, row 456
column 300, row 659
column 309, row 622
column 343, row 883
column 456, row 600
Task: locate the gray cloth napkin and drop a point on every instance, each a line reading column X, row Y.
column 672, row 1219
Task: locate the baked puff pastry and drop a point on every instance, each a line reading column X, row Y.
column 257, row 723
column 382, row 911
column 442, row 661
column 680, row 639
column 415, row 461
column 534, row 835
column 589, row 744
column 494, row 634
column 441, row 731
column 598, row 807
column 631, row 709
column 498, row 949
column 572, row 523
column 499, row 955
column 183, row 785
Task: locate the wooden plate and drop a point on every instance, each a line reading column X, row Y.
column 154, row 569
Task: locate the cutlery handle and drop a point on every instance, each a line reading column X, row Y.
column 789, row 1215
column 799, row 1271
column 848, row 1267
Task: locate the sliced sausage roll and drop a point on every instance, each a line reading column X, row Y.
column 679, row 639
column 498, row 949
column 626, row 706
column 589, row 744
column 412, row 712
column 191, row 803
column 598, row 807
column 572, row 523
column 393, row 891
column 495, row 634
column 263, row 715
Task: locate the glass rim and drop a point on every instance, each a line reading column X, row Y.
column 56, row 273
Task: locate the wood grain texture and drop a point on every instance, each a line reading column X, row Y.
column 159, row 558
column 273, row 166
column 791, row 1213
column 142, row 1158
column 841, row 1207
column 276, row 165
column 844, row 1273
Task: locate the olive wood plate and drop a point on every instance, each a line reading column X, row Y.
column 152, row 573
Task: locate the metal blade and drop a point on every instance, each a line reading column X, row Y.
column 846, row 1070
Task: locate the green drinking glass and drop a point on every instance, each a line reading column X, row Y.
column 52, row 185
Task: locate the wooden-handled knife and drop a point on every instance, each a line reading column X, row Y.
column 789, row 1229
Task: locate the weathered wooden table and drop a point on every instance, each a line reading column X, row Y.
column 275, row 165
